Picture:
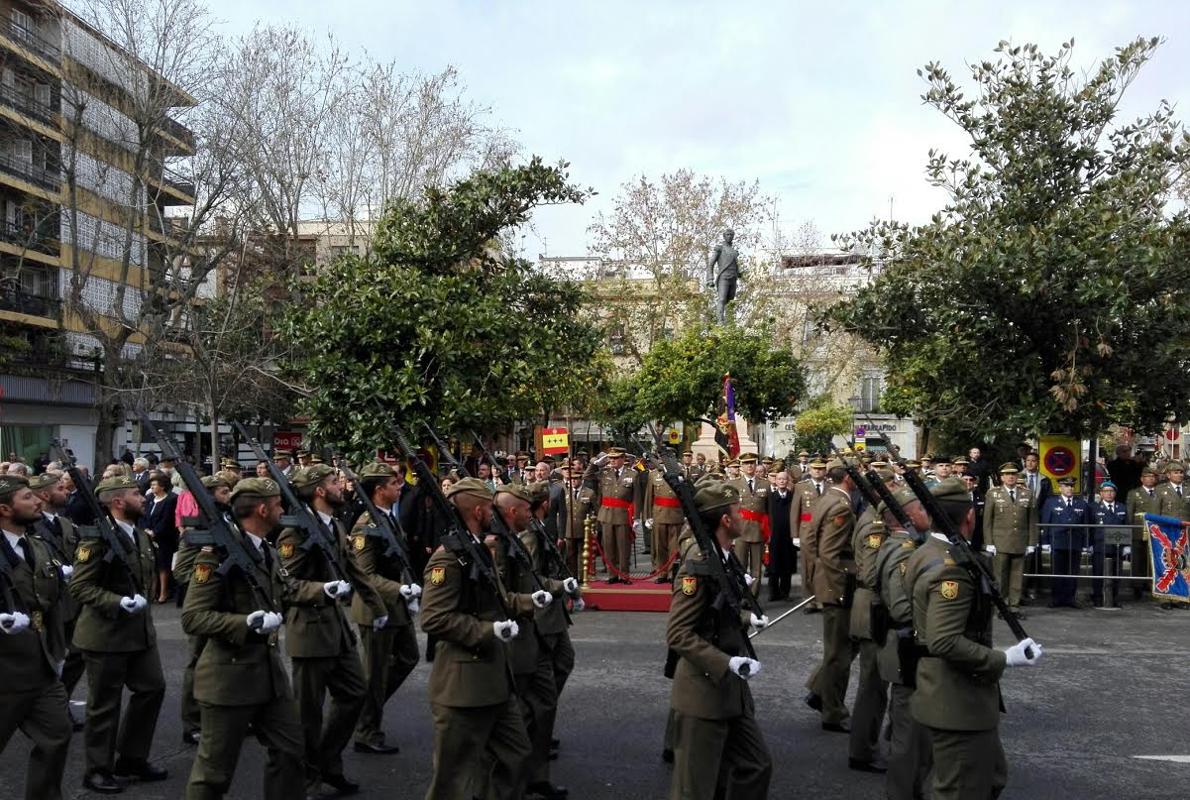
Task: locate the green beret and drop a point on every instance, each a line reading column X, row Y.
column 377, row 469
column 715, row 495
column 215, row 481
column 256, row 487
column 43, row 481
column 886, row 475
column 951, row 490
column 470, row 486
column 517, row 490
column 311, row 476
column 539, row 491
column 903, row 497
column 9, row 484
column 114, row 483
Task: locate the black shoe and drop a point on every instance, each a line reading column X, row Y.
column 139, row 770
column 813, row 701
column 661, row 579
column 613, row 579
column 866, row 766
column 836, row 727
column 102, row 782
column 376, row 749
column 191, row 737
column 548, row 791
column 341, row 783
column 813, row 610
column 667, row 756
column 625, row 581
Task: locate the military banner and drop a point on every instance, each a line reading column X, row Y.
column 1171, row 564
column 726, row 435
column 1061, row 457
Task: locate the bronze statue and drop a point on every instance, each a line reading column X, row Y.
column 723, row 272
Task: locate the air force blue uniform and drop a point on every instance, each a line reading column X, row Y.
column 1067, row 542
column 1106, row 515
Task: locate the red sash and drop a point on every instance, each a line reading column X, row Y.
column 766, row 529
column 667, row 502
column 615, row 502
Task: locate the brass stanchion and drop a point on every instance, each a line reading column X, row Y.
column 586, row 553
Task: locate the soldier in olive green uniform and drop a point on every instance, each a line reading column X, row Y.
column 832, row 579
column 1173, row 495
column 240, row 680
column 62, row 537
column 805, row 496
column 754, row 513
column 664, row 513
column 719, row 750
column 32, row 645
column 1142, row 500
column 319, row 638
column 958, row 692
column 115, row 632
column 1010, row 528
column 580, row 504
column 617, row 503
column 477, row 721
column 390, row 650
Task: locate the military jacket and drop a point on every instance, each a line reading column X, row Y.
column 100, row 582
column 578, row 508
column 1172, row 504
column 755, row 501
column 661, row 505
column 238, row 666
column 525, row 648
column 1010, row 525
column 892, row 564
column 616, row 492
column 382, row 572
column 705, row 638
column 1140, row 502
column 471, row 667
column 29, row 659
column 830, row 547
column 958, row 684
column 550, row 620
column 62, row 539
column 866, row 540
column 316, row 625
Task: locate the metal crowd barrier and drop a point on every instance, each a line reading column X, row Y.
column 1111, row 555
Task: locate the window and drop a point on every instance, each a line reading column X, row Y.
column 22, row 26
column 871, row 386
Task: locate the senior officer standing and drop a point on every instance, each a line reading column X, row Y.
column 1140, row 501
column 754, row 514
column 617, row 500
column 1010, row 532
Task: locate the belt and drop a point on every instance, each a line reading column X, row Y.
column 759, row 518
column 616, row 502
column 667, row 502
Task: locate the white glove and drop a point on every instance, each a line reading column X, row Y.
column 1127, row 552
column 748, row 579
column 990, row 549
column 416, row 589
column 67, row 571
column 797, row 542
column 133, row 604
column 336, row 589
column 570, row 586
column 407, row 591
column 638, row 527
column 743, row 666
column 542, row 598
column 255, row 619
column 379, row 622
column 1045, row 548
column 1029, row 549
column 579, row 604
column 272, row 620
column 506, row 630
column 649, row 524
column 14, row 622
column 759, row 623
column 1016, row 654
column 412, row 606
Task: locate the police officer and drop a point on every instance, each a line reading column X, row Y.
column 240, row 680
column 1061, row 510
column 1108, row 514
column 754, row 511
column 1142, row 500
column 115, row 632
column 1010, row 531
column 719, row 750
column 32, row 645
column 958, row 693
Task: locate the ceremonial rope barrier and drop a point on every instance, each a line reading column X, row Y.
column 663, row 569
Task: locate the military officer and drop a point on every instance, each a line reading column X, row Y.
column 1010, row 531
column 719, row 750
column 806, row 494
column 32, row 644
column 319, row 638
column 750, row 545
column 477, row 720
column 116, row 635
column 1060, row 511
column 832, row 580
column 240, row 680
column 958, row 693
column 617, row 504
column 1173, row 495
column 663, row 515
column 579, row 503
column 390, row 650
column 1142, row 500
column 1107, row 514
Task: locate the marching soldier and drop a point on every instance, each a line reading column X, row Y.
column 958, row 692
column 390, row 650
column 1010, row 525
column 116, row 635
column 32, row 644
column 240, row 681
column 754, row 511
column 719, row 750
column 319, row 637
column 578, row 501
column 477, row 720
column 617, row 500
column 663, row 515
column 1142, row 500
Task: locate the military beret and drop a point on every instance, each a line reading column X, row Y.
column 517, row 490
column 1008, row 469
column 951, row 490
column 114, row 483
column 886, row 475
column 748, row 458
column 714, row 495
column 1107, row 485
column 256, row 487
column 1066, row 481
column 216, row 480
column 539, row 491
column 376, row 469
column 818, row 463
column 470, row 486
column 43, row 481
column 9, row 484
column 903, row 496
column 311, row 476
column 1175, row 466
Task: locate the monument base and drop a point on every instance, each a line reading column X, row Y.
column 706, row 440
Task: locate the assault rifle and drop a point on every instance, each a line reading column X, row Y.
column 875, row 492
column 382, row 527
column 220, row 533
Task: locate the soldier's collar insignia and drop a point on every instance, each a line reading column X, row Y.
column 438, row 576
column 202, row 573
column 689, row 585
column 949, row 590
column 286, row 550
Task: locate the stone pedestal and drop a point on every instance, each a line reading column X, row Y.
column 706, row 440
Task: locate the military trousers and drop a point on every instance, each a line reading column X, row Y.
column 389, row 656
column 224, row 728
column 1010, row 576
column 665, row 542
column 41, row 715
column 617, row 546
column 716, row 758
column 1140, row 563
column 107, row 676
column 74, row 668
column 751, row 555
column 468, row 739
column 968, row 765
column 191, row 713
column 342, row 677
column 829, row 680
column 910, row 753
column 556, row 654
column 871, row 699
column 574, row 554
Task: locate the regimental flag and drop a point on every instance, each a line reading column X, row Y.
column 1171, row 562
column 726, row 435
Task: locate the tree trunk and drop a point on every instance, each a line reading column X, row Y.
column 215, row 459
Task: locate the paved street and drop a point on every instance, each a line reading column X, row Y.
column 1074, row 727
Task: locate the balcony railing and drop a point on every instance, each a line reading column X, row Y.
column 24, row 235
column 31, row 39
column 47, row 179
column 14, row 298
column 21, row 102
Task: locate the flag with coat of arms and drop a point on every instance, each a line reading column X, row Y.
column 1171, row 561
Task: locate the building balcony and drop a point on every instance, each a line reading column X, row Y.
column 22, row 103
column 17, row 299
column 28, row 171
column 28, row 237
column 33, row 40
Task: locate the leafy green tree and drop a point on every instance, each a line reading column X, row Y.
column 438, row 324
column 821, row 421
column 1052, row 292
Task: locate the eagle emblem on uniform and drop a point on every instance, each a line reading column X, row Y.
column 949, row 590
column 689, row 585
column 202, row 573
column 438, row 576
column 358, row 542
column 83, row 554
column 286, row 549
column 873, row 541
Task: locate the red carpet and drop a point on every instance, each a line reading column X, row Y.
column 643, row 595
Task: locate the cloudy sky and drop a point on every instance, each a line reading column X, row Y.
column 820, row 102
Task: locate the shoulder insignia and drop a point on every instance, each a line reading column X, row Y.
column 285, row 549
column 949, row 590
column 438, row 576
column 83, row 554
column 874, row 540
column 689, row 585
column 907, row 545
column 202, row 573
column 358, row 542
column 903, row 566
column 949, row 562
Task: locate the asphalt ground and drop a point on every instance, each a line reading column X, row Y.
column 1112, row 686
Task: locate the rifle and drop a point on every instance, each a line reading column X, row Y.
column 116, row 543
column 300, row 516
column 221, row 534
column 382, row 528
column 457, row 537
column 965, row 555
column 875, row 492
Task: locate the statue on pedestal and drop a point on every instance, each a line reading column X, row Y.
column 723, row 272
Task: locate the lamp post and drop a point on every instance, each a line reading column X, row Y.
column 854, row 402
